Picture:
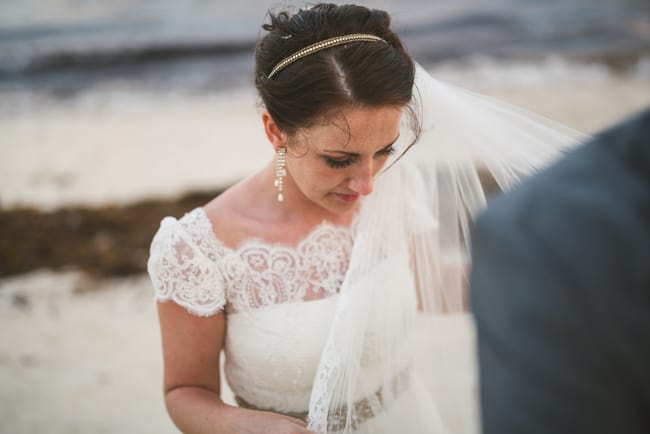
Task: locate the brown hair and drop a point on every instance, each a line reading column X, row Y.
column 355, row 74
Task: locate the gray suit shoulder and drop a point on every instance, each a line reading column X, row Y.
column 590, row 207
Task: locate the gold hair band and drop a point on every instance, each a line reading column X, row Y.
column 318, row 46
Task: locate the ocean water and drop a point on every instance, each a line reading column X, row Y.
column 62, row 48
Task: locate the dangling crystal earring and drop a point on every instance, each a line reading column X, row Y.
column 280, row 171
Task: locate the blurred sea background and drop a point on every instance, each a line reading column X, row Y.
column 115, row 114
column 66, row 49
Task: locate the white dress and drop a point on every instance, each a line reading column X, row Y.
column 280, row 302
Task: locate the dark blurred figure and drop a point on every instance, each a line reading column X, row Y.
column 561, row 291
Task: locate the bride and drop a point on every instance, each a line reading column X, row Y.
column 329, row 277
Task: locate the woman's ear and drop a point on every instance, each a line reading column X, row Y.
column 276, row 136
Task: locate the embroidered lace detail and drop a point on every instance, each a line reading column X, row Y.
column 182, row 267
column 197, row 268
column 259, row 273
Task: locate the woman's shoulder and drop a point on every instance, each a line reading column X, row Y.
column 193, row 228
column 198, row 226
column 234, row 214
column 193, row 233
column 184, row 262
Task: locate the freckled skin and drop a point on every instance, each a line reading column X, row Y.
column 360, row 136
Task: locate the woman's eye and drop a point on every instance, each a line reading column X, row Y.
column 338, row 164
column 387, row 151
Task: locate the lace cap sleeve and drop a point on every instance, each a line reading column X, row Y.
column 180, row 271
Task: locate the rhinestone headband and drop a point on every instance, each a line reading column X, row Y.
column 318, row 46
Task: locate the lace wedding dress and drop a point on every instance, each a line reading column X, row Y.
column 280, row 303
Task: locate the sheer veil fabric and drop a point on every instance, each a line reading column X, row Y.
column 401, row 315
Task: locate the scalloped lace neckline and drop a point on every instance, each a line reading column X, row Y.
column 259, row 273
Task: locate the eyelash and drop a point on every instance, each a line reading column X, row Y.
column 339, row 164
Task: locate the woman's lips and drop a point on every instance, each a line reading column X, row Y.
column 347, row 197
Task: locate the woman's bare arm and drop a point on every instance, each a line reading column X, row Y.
column 191, row 350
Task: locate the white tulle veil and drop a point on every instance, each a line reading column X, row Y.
column 410, row 260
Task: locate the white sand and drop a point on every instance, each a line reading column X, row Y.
column 79, row 362
column 117, row 149
column 84, row 356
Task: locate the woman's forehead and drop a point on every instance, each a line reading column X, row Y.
column 356, row 126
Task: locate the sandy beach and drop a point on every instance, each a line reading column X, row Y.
column 79, row 357
column 82, row 355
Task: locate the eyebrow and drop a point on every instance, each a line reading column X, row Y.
column 356, row 154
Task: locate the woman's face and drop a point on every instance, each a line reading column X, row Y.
column 333, row 164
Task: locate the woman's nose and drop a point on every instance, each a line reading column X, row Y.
column 361, row 180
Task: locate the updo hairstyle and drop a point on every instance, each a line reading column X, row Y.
column 357, row 74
